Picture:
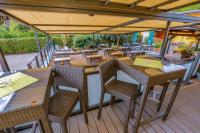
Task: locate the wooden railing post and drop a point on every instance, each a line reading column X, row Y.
column 29, row 65
column 42, row 58
column 3, row 62
column 37, row 61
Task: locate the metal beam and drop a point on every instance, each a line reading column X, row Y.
column 106, row 2
column 37, row 40
column 162, row 4
column 169, row 43
column 164, row 44
column 136, row 3
column 94, row 7
column 189, row 35
column 121, row 25
column 66, row 25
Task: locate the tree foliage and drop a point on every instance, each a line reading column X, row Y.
column 193, row 7
column 16, row 30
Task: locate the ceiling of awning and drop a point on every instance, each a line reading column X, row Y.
column 107, row 17
column 161, row 4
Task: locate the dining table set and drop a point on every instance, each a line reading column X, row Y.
column 30, row 90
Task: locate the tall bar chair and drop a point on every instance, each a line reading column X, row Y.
column 117, row 89
column 63, row 101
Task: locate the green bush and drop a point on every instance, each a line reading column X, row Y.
column 82, row 41
column 158, row 44
column 23, row 45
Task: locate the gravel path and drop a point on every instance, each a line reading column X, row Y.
column 19, row 62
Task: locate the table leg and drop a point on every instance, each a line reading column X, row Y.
column 86, row 91
column 47, row 126
column 141, row 108
column 162, row 96
column 173, row 97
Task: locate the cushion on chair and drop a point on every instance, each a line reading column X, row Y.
column 62, row 103
column 121, row 89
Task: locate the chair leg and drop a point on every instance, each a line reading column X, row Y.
column 34, row 127
column 83, row 106
column 100, row 105
column 162, row 96
column 40, row 126
column 112, row 100
column 133, row 109
column 127, row 117
column 63, row 126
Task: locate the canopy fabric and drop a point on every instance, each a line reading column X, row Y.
column 151, row 38
column 135, row 37
column 86, row 16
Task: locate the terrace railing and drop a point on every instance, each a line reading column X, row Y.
column 42, row 59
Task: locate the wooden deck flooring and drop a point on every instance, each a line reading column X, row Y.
column 184, row 117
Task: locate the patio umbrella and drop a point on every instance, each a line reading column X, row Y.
column 151, row 38
column 135, row 37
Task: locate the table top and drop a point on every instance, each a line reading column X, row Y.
column 61, row 58
column 116, row 53
column 155, row 75
column 89, row 50
column 32, row 95
column 61, row 52
column 93, row 56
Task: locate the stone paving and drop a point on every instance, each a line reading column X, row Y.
column 19, row 61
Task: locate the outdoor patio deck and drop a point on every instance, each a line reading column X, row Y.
column 184, row 117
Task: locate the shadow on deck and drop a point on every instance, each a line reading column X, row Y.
column 184, row 116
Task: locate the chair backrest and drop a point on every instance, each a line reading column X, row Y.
column 108, row 70
column 70, row 76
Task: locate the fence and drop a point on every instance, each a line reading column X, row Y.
column 43, row 58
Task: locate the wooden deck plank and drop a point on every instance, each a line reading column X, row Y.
column 92, row 125
column 100, row 123
column 83, row 128
column 108, row 122
column 183, row 118
column 73, row 123
column 121, row 117
column 115, row 119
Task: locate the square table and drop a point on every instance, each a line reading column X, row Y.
column 94, row 59
column 116, row 54
column 30, row 103
column 149, row 77
column 62, row 60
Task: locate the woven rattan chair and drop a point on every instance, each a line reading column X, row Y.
column 64, row 101
column 118, row 89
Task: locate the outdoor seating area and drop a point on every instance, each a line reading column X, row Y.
column 102, row 88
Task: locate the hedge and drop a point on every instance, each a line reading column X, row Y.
column 24, row 45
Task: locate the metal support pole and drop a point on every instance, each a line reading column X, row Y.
column 94, row 43
column 37, row 40
column 169, row 43
column 164, row 44
column 198, row 42
column 3, row 62
column 118, row 39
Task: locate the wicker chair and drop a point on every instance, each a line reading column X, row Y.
column 118, row 89
column 64, row 101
